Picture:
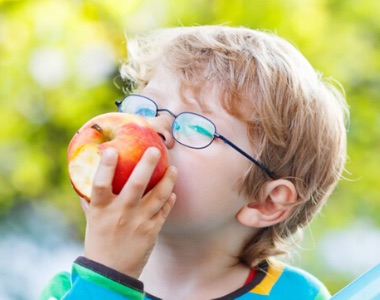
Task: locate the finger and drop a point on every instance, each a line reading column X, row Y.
column 134, row 188
column 160, row 217
column 158, row 196
column 167, row 207
column 102, row 184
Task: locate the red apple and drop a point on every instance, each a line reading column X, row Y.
column 130, row 135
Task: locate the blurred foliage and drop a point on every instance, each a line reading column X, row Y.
column 59, row 62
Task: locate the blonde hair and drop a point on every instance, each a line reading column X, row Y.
column 296, row 121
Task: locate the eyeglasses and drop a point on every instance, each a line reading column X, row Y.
column 188, row 129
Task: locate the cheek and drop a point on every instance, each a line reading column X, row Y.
column 192, row 183
column 208, row 183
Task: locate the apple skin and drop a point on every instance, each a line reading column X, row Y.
column 129, row 134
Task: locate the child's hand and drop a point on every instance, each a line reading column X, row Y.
column 122, row 229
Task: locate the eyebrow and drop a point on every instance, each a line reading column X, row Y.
column 151, row 93
column 154, row 94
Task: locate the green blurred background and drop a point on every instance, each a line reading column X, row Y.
column 59, row 62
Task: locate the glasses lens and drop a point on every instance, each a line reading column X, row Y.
column 193, row 130
column 138, row 105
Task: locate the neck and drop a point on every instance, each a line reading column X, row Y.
column 197, row 267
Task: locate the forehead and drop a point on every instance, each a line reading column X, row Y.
column 168, row 88
column 176, row 90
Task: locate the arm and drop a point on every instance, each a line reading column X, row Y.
column 120, row 234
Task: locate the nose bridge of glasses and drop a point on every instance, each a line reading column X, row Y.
column 166, row 110
column 165, row 120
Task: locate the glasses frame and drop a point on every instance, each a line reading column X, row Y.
column 216, row 134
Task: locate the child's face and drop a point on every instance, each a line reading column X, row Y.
column 207, row 192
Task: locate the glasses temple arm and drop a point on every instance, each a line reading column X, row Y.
column 265, row 169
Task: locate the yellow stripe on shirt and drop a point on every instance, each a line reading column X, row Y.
column 274, row 272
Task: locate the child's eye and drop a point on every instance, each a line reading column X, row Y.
column 145, row 112
column 201, row 130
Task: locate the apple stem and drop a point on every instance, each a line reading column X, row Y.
column 97, row 127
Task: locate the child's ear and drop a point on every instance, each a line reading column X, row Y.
column 280, row 196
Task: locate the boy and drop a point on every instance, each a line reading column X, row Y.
column 240, row 187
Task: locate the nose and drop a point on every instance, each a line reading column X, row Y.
column 163, row 126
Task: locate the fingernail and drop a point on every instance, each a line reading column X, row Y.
column 174, row 197
column 173, row 170
column 154, row 151
column 110, row 152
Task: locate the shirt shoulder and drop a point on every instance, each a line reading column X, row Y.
column 91, row 280
column 283, row 282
